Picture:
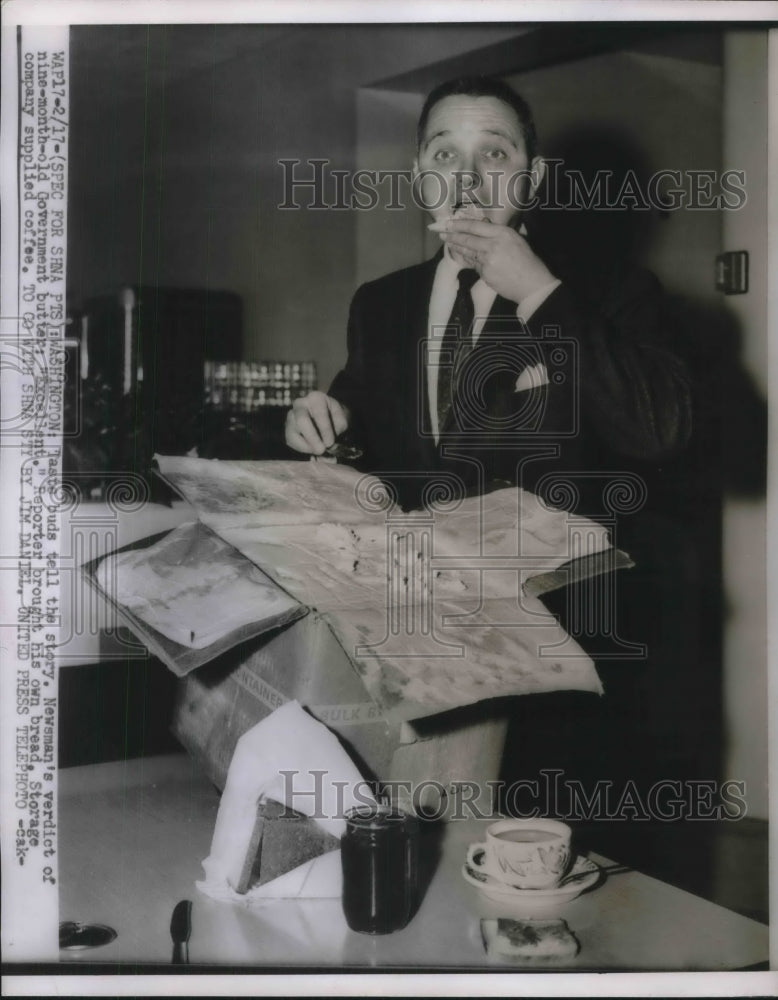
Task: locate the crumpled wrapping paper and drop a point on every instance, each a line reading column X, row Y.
column 289, row 739
column 430, row 606
column 192, row 587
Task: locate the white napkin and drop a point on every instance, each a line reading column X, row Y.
column 289, row 739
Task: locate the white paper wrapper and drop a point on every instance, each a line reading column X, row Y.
column 287, row 740
column 394, row 586
column 191, row 587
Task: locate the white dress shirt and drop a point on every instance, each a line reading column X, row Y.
column 444, row 291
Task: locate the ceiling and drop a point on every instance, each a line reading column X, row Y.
column 120, row 53
column 149, row 58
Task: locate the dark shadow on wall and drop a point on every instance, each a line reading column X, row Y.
column 661, row 718
column 575, row 225
column 115, row 710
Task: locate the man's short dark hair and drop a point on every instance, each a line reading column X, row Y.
column 482, row 86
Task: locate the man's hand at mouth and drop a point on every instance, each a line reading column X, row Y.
column 502, row 257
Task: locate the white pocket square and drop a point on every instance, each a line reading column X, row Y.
column 532, row 378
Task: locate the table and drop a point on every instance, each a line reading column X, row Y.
column 133, row 835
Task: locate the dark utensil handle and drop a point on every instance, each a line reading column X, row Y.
column 180, row 929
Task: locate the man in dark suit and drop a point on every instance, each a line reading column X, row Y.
column 550, row 367
column 560, row 376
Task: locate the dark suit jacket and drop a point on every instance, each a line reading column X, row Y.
column 617, row 394
column 618, row 400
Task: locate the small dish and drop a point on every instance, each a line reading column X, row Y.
column 75, row 936
column 583, row 875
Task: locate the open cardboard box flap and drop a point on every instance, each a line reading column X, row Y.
column 382, row 668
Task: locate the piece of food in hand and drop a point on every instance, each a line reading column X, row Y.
column 542, row 942
column 469, row 210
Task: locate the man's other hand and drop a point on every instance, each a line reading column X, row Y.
column 502, row 257
column 314, row 422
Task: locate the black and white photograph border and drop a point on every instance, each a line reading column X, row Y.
column 209, row 162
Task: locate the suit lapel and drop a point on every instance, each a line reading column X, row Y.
column 416, row 402
column 502, row 318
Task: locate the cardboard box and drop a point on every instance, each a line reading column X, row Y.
column 227, row 688
column 304, row 661
column 230, row 685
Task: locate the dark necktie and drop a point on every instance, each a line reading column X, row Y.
column 456, row 343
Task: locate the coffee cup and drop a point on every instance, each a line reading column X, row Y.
column 524, row 853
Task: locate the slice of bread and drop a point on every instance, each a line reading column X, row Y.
column 281, row 840
column 541, row 942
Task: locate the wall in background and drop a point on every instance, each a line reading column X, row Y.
column 177, row 182
column 745, row 543
column 649, row 108
column 688, row 79
column 388, row 239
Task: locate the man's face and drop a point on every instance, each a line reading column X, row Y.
column 475, row 161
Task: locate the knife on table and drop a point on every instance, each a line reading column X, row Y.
column 180, row 929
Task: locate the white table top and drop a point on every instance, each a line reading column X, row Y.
column 133, row 835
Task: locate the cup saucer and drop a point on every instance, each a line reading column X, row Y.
column 583, row 875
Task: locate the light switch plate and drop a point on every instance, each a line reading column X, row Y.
column 732, row 272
